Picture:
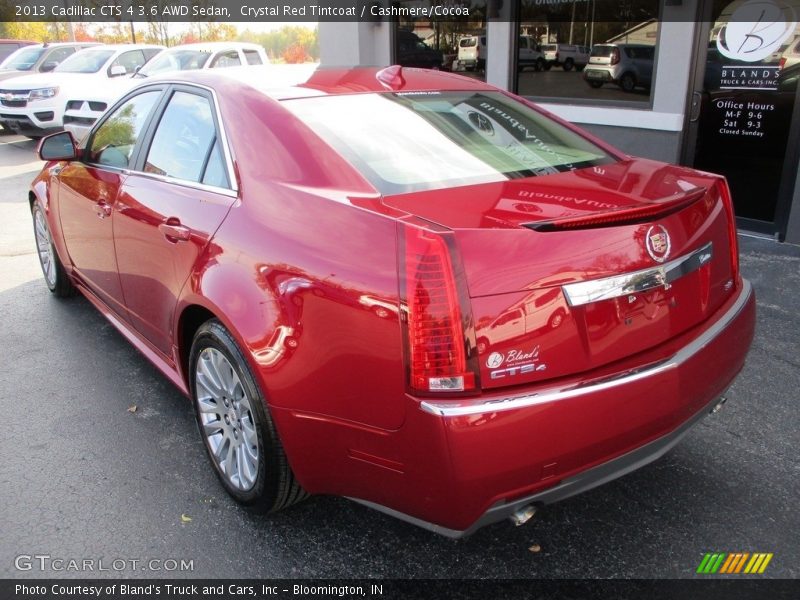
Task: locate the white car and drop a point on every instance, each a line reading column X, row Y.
column 472, row 52
column 566, row 56
column 84, row 109
column 39, row 58
column 33, row 105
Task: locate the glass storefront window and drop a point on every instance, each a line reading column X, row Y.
column 747, row 101
column 588, row 50
column 431, row 43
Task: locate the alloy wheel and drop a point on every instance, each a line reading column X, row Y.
column 227, row 419
column 44, row 246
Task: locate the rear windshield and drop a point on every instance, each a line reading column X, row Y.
column 550, row 48
column 468, row 42
column 22, row 60
column 85, row 61
column 421, row 141
column 603, row 50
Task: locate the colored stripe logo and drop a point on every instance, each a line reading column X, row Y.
column 734, row 563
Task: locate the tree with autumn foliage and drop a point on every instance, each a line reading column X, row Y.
column 35, row 31
column 295, row 54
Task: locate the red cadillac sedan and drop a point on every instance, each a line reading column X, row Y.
column 404, row 287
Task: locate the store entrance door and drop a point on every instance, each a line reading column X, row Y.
column 744, row 119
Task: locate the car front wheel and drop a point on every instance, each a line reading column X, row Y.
column 568, row 64
column 238, row 433
column 55, row 276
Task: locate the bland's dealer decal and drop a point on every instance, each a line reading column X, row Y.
column 514, row 362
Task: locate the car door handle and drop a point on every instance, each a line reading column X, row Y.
column 174, row 231
column 103, row 209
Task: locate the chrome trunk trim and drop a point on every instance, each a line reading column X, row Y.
column 586, row 292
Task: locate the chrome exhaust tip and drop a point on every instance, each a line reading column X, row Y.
column 718, row 406
column 523, row 515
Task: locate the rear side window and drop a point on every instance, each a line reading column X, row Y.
column 227, row 59
column 56, row 55
column 129, row 60
column 184, row 145
column 253, row 57
column 468, row 42
column 113, row 142
column 410, row 142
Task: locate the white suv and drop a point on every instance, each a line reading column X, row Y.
column 566, row 56
column 39, row 58
column 33, row 105
column 83, row 109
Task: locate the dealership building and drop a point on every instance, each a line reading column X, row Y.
column 710, row 84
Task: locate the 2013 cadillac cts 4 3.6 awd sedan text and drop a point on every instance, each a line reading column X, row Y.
column 404, row 287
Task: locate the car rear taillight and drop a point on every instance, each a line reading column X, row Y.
column 437, row 356
column 556, row 56
column 727, row 201
column 782, row 62
column 615, row 56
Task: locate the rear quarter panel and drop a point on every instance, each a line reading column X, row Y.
column 291, row 264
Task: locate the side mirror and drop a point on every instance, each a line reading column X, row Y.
column 58, row 146
column 48, row 66
column 118, row 70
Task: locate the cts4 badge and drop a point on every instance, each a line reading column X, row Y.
column 658, row 243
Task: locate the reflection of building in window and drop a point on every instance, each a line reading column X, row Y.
column 432, row 43
column 571, row 34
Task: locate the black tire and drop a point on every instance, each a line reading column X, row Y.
column 568, row 64
column 556, row 319
column 58, row 282
column 595, row 84
column 275, row 486
column 548, row 66
column 540, row 66
column 627, row 82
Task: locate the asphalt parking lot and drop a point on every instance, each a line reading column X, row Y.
column 83, row 477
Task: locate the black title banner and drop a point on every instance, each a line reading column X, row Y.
column 538, row 11
column 236, row 10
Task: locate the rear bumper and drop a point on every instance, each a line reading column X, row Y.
column 455, row 466
column 543, row 446
column 571, row 486
column 592, row 74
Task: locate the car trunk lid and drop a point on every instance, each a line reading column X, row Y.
column 572, row 271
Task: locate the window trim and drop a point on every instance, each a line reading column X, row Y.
column 152, row 128
column 109, row 113
column 167, row 88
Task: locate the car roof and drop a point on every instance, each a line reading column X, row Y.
column 282, row 82
column 60, row 44
column 123, row 47
column 216, row 46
